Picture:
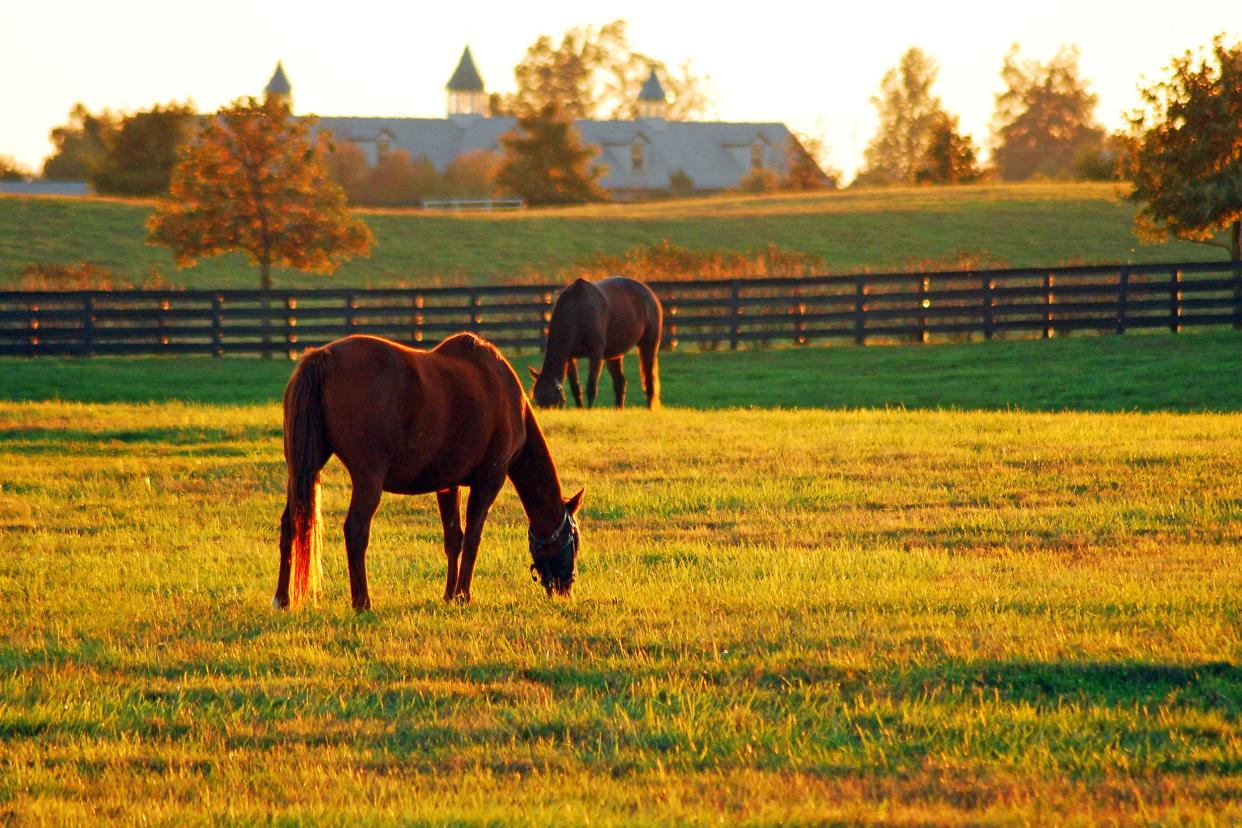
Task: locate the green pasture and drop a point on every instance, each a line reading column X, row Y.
column 1005, row 594
column 997, row 225
column 1199, row 371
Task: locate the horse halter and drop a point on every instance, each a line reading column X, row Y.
column 556, row 571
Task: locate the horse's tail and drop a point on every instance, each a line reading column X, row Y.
column 648, row 350
column 306, row 452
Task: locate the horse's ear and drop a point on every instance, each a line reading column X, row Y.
column 575, row 503
column 533, row 373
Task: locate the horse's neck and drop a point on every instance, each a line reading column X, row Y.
column 538, row 487
column 562, row 334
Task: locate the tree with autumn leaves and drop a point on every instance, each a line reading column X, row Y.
column 1185, row 151
column 252, row 181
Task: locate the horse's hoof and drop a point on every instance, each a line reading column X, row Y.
column 277, row 605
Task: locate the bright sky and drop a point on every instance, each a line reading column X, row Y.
column 812, row 65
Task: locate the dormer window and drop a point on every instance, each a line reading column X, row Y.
column 382, row 146
column 756, row 155
column 638, row 156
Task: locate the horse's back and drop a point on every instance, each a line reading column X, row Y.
column 428, row 417
column 634, row 313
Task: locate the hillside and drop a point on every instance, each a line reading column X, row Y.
column 1001, row 225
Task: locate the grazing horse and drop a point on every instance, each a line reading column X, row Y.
column 600, row 321
column 415, row 422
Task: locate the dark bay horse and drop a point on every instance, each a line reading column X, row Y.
column 600, row 321
column 415, row 422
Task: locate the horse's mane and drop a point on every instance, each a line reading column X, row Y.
column 469, row 344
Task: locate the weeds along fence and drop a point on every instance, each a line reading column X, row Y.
column 717, row 313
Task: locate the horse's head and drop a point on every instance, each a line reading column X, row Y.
column 555, row 558
column 547, row 392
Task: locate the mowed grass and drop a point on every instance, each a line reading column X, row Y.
column 782, row 617
column 1199, row 371
column 1002, row 225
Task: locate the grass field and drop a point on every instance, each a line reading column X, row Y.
column 782, row 616
column 1193, row 372
column 1001, row 225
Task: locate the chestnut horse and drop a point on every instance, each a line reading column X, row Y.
column 415, row 422
column 600, row 321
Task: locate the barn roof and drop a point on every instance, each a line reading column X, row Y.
column 466, row 77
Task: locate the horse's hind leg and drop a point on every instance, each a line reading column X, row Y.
column 281, row 599
column 574, row 385
column 618, row 379
column 593, row 372
column 482, row 495
column 649, row 368
column 362, row 505
column 449, row 501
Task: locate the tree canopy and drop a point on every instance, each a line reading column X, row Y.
column 1186, row 150
column 1044, row 122
column 594, row 73
column 140, row 153
column 251, row 181
column 80, row 145
column 907, row 111
column 950, row 157
column 545, row 162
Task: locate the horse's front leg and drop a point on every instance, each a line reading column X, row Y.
column 617, row 370
column 482, row 495
column 574, row 385
column 449, row 501
column 593, row 372
column 362, row 505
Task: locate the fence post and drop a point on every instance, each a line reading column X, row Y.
column 217, row 325
column 1123, row 288
column 1048, row 283
column 32, row 325
column 351, row 304
column 476, row 319
column 672, row 328
column 989, row 324
column 735, row 313
column 1175, row 300
column 417, row 317
column 291, row 324
column 860, row 310
column 924, row 304
column 162, row 323
column 88, row 325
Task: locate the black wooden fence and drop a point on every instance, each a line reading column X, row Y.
column 711, row 313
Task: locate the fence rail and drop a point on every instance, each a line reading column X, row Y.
column 711, row 313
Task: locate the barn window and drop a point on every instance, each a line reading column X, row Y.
column 756, row 155
column 638, row 156
column 382, row 146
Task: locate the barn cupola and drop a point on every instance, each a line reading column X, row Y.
column 278, row 88
column 465, row 88
column 652, row 102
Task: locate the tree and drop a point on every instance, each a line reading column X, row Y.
column 80, row 145
column 544, row 161
column 252, row 181
column 804, row 167
column 1044, row 118
column 10, row 170
column 594, row 72
column 472, row 175
column 347, row 164
column 950, row 157
column 139, row 155
column 1186, row 151
column 399, row 180
column 908, row 111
